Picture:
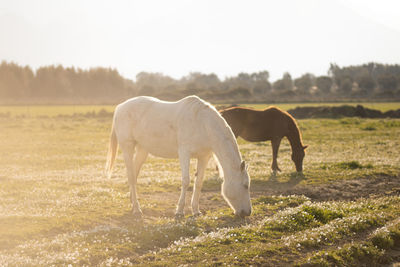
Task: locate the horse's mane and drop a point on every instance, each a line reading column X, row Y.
column 216, row 126
column 293, row 127
column 197, row 104
column 292, row 123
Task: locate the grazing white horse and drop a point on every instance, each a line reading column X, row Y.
column 188, row 128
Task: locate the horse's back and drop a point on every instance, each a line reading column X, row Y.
column 257, row 125
column 144, row 103
column 161, row 127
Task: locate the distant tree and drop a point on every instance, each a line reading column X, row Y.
column 366, row 84
column 304, row 83
column 324, row 84
column 105, row 84
column 261, row 85
column 284, row 84
column 261, row 76
column 334, row 71
column 147, row 90
column 367, row 77
column 45, row 82
column 387, row 83
column 15, row 81
column 191, row 88
column 244, row 80
column 196, row 82
column 342, row 79
column 153, row 83
column 239, row 92
column 345, row 86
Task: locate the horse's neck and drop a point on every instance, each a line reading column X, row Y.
column 227, row 152
column 229, row 161
column 294, row 137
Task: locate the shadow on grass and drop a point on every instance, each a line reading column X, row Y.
column 274, row 184
column 208, row 221
column 226, row 220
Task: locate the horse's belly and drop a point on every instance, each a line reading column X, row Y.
column 161, row 150
column 256, row 139
column 165, row 146
column 255, row 136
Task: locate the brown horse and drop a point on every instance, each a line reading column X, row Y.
column 268, row 124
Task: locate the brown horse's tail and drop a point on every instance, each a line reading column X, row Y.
column 112, row 151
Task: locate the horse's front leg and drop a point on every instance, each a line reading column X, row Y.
column 201, row 166
column 184, row 159
column 275, row 142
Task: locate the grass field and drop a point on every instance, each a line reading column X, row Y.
column 57, row 208
column 51, row 111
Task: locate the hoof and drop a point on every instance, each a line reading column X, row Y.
column 137, row 215
column 179, row 216
column 197, row 214
column 300, row 175
column 297, row 175
column 238, row 217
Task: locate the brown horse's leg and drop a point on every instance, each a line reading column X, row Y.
column 275, row 142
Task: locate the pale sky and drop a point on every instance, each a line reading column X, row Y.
column 177, row 37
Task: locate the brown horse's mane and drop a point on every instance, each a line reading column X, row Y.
column 294, row 126
column 291, row 122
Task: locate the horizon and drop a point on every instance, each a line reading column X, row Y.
column 185, row 75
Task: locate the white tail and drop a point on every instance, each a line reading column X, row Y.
column 112, row 152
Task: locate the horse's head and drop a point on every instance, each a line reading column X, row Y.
column 236, row 191
column 298, row 156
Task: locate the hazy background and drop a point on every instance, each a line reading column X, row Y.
column 180, row 36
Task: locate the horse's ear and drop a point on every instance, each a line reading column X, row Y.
column 243, row 165
column 304, row 147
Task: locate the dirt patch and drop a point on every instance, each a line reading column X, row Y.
column 342, row 190
column 341, row 111
column 350, row 189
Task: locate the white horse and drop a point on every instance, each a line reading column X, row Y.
column 188, row 128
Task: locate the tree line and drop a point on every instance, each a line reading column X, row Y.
column 56, row 84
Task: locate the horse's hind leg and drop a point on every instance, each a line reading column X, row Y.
column 275, row 142
column 201, row 166
column 139, row 159
column 128, row 149
column 184, row 159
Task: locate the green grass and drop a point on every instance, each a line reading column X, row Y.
column 57, row 207
column 371, row 251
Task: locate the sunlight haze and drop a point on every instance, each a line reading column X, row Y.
column 221, row 37
column 199, row 133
